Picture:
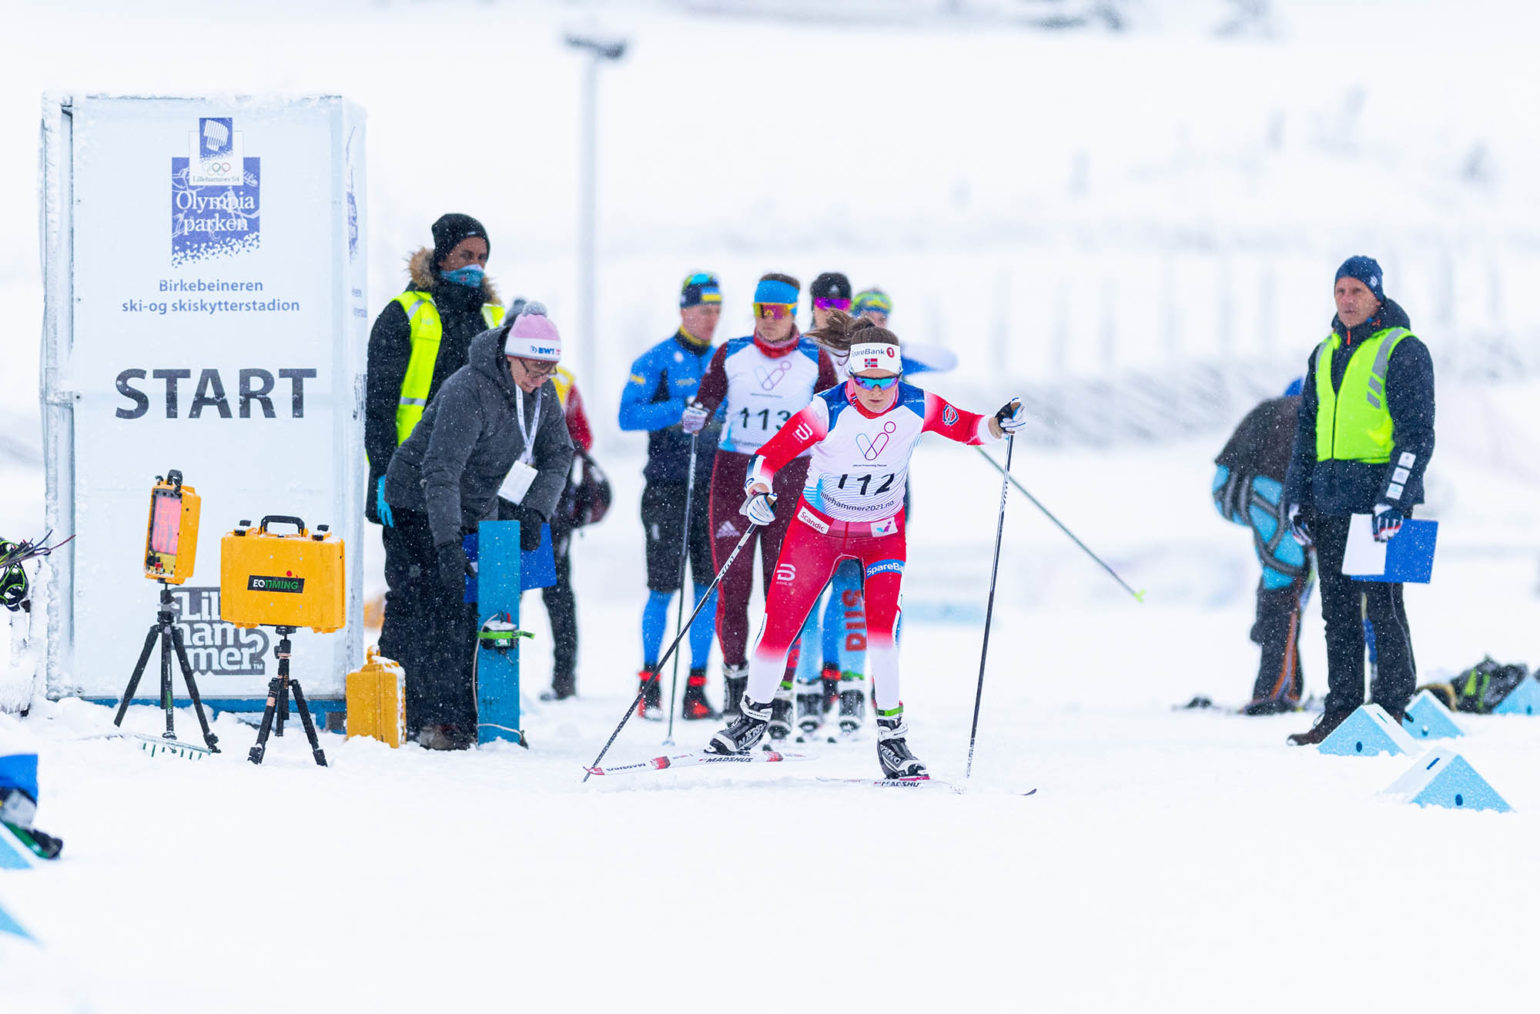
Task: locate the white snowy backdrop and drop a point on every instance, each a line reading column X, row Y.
column 1073, row 212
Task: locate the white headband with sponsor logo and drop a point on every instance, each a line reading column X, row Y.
column 875, row 356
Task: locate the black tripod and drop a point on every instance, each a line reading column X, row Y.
column 170, row 639
column 278, row 690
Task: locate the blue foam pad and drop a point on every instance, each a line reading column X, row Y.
column 1367, row 732
column 1523, row 699
column 9, row 925
column 1442, row 777
column 13, row 854
column 1427, row 718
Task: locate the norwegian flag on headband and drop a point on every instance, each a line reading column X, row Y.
column 871, row 363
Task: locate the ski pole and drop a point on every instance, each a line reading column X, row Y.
column 679, row 637
column 684, row 559
column 989, row 611
column 1138, row 595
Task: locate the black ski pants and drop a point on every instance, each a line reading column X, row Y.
column 1276, row 631
column 561, row 606
column 1345, row 604
column 428, row 629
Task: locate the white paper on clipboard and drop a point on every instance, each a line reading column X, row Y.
column 1364, row 557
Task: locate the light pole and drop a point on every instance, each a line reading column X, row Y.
column 598, row 50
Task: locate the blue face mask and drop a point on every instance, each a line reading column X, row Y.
column 470, row 276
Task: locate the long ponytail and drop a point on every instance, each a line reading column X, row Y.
column 842, row 330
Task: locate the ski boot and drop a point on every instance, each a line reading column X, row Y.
column 780, row 715
column 735, row 681
column 744, row 732
column 852, row 703
column 696, row 707
column 651, row 689
column 810, row 708
column 830, row 677
column 892, row 749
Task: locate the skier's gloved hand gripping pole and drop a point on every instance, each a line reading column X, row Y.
column 684, row 558
column 754, row 508
column 1011, row 419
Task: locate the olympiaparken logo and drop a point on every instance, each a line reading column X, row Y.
column 216, row 198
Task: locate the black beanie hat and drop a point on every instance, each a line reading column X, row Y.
column 449, row 230
column 829, row 285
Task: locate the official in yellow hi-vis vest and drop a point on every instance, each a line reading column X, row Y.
column 1361, row 446
column 420, row 339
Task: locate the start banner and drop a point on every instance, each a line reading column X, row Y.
column 204, row 264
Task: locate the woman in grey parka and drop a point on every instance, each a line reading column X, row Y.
column 495, row 427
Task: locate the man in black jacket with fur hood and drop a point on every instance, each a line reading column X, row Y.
column 1361, row 446
column 495, row 428
column 418, row 340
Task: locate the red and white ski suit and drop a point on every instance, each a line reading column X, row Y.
column 852, row 505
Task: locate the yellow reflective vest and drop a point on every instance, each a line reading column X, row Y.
column 1354, row 424
column 427, row 332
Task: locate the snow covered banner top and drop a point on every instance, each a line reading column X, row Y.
column 205, row 290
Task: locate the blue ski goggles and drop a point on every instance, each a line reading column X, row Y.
column 875, row 383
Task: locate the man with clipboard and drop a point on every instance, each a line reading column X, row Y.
column 1361, row 446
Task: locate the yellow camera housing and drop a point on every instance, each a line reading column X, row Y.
column 171, row 537
column 274, row 579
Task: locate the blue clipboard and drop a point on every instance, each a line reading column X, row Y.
column 537, row 567
column 1408, row 555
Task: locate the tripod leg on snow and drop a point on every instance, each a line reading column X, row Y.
column 304, row 717
column 192, row 689
column 133, row 681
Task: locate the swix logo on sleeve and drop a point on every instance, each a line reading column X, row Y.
column 785, row 573
column 885, row 567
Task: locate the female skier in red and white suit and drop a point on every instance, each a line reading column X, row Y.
column 861, row 434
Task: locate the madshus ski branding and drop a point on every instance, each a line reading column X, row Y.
column 216, row 195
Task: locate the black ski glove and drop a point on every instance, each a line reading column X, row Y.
column 529, row 520
column 453, row 565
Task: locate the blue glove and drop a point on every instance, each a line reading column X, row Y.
column 1297, row 527
column 1387, row 521
column 383, row 508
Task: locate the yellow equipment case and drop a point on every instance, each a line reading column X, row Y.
column 376, row 696
column 274, row 579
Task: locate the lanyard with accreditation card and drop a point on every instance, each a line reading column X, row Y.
column 522, row 475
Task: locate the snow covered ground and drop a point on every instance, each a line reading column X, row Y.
column 1171, row 860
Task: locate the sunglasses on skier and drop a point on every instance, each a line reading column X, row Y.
column 831, row 303
column 773, row 311
column 875, row 383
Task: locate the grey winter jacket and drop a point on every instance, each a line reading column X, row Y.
column 460, row 453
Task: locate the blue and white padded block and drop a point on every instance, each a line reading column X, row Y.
column 1427, row 718
column 1523, row 699
column 1442, row 777
column 1367, row 732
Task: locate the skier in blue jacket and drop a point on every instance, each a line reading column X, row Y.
column 662, row 382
